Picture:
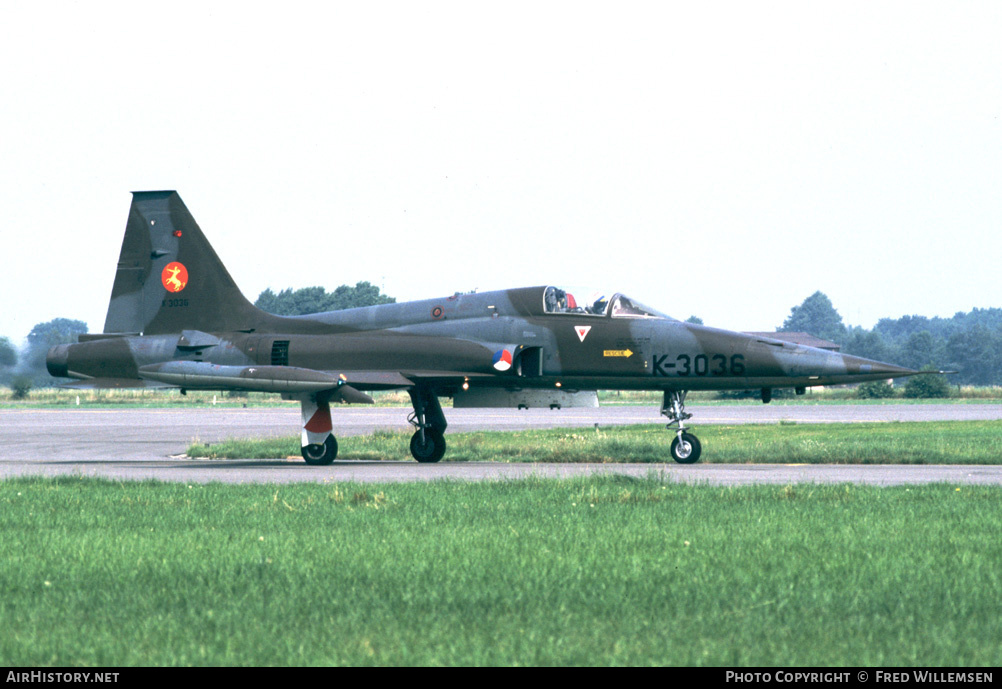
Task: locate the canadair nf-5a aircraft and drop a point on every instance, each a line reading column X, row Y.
column 177, row 319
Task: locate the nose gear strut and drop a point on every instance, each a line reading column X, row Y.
column 685, row 448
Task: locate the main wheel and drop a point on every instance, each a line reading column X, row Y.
column 686, row 450
column 433, row 447
column 321, row 455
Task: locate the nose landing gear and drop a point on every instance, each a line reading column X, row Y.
column 685, row 448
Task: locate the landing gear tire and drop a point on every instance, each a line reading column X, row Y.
column 321, row 455
column 432, row 449
column 686, row 449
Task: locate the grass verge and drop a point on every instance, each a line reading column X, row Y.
column 950, row 442
column 596, row 571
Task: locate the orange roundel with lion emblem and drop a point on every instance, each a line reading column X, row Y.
column 174, row 276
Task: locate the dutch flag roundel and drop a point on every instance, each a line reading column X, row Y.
column 502, row 360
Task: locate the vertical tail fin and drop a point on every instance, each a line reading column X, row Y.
column 169, row 278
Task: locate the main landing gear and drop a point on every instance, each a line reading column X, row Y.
column 428, row 442
column 427, row 445
column 319, row 445
column 685, row 448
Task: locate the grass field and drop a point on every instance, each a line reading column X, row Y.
column 593, row 572
column 951, row 442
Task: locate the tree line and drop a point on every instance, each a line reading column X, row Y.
column 299, row 302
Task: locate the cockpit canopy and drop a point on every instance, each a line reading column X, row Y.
column 589, row 302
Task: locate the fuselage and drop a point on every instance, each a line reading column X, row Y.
column 455, row 339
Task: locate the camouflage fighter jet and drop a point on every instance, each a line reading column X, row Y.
column 177, row 319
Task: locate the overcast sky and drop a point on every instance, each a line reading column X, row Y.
column 721, row 159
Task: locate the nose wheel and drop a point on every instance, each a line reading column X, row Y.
column 685, row 448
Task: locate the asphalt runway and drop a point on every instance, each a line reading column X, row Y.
column 138, row 444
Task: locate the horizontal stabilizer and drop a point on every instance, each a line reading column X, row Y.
column 195, row 340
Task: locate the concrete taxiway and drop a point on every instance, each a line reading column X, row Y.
column 138, row 444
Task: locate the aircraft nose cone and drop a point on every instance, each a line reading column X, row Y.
column 855, row 365
column 57, row 361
